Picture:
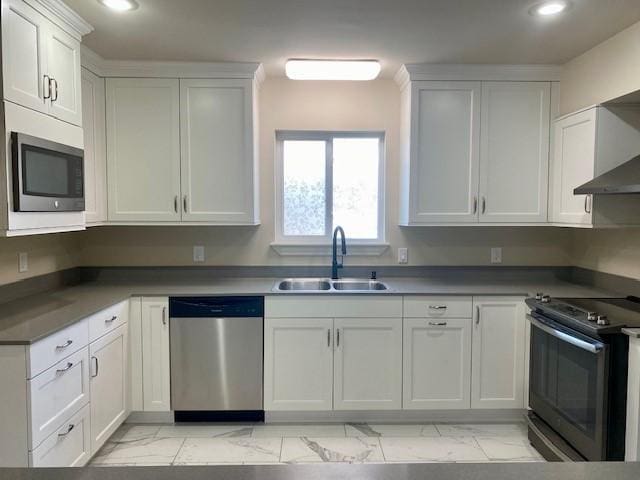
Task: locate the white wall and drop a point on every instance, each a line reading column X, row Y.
column 607, row 71
column 286, row 104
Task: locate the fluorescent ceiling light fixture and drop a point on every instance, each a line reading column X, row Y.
column 332, row 69
column 120, row 5
column 546, row 9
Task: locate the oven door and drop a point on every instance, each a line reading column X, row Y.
column 47, row 176
column 568, row 385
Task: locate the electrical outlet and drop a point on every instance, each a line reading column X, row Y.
column 23, row 262
column 403, row 255
column 496, row 255
column 198, row 253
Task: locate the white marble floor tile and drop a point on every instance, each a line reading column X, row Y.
column 345, row 450
column 299, row 430
column 433, row 449
column 145, row 451
column 194, row 431
column 136, row 432
column 390, row 430
column 481, row 429
column 508, row 448
column 230, row 450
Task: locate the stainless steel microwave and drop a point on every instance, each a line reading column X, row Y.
column 47, row 176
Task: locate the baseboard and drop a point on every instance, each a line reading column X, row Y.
column 150, row 417
column 398, row 416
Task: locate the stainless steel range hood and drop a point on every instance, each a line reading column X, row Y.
column 623, row 179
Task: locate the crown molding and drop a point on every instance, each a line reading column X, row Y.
column 153, row 69
column 477, row 72
column 67, row 19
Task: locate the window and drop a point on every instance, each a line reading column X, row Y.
column 326, row 179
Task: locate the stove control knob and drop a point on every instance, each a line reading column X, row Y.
column 546, row 299
column 592, row 316
column 538, row 296
column 603, row 320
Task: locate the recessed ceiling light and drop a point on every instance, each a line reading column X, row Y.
column 332, row 69
column 120, row 5
column 546, row 9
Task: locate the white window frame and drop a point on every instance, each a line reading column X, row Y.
column 320, row 244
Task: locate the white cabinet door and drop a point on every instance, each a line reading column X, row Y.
column 514, row 151
column 156, row 373
column 368, row 364
column 95, row 167
column 108, row 385
column 497, row 378
column 573, row 165
column 217, row 161
column 63, row 67
column 298, row 368
column 437, row 363
column 24, row 61
column 143, row 149
column 445, row 148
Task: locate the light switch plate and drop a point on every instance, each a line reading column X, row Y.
column 198, row 253
column 403, row 255
column 496, row 255
column 23, row 262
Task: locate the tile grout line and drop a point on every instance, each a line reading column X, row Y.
column 179, row 449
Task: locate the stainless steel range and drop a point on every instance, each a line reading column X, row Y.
column 578, row 376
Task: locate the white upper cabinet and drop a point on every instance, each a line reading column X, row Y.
column 95, row 151
column 217, row 142
column 63, row 61
column 498, row 350
column 514, row 151
column 40, row 63
column 24, row 55
column 444, row 153
column 475, row 144
column 143, row 149
column 589, row 143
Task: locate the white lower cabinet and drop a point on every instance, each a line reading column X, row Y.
column 69, row 446
column 156, row 374
column 108, row 357
column 367, row 364
column 437, row 363
column 298, row 364
column 498, row 353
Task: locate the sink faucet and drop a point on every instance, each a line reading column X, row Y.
column 335, row 265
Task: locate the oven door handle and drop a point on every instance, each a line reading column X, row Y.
column 595, row 347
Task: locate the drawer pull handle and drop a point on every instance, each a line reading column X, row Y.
column 438, row 307
column 65, row 369
column 64, row 345
column 438, row 324
column 111, row 320
column 69, row 428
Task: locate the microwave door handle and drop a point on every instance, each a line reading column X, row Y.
column 596, row 347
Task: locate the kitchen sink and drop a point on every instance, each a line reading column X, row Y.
column 358, row 285
column 326, row 285
column 304, row 284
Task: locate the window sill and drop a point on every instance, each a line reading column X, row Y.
column 307, row 250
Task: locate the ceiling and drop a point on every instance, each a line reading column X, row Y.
column 393, row 31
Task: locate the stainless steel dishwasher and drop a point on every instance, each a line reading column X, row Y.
column 216, row 358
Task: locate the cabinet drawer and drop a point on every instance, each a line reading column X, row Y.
column 68, row 446
column 348, row 306
column 438, row 307
column 107, row 320
column 50, row 350
column 56, row 393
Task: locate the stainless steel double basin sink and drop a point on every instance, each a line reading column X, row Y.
column 319, row 285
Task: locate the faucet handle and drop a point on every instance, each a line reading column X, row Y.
column 374, row 275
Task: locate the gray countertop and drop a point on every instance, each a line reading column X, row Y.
column 434, row 471
column 32, row 318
